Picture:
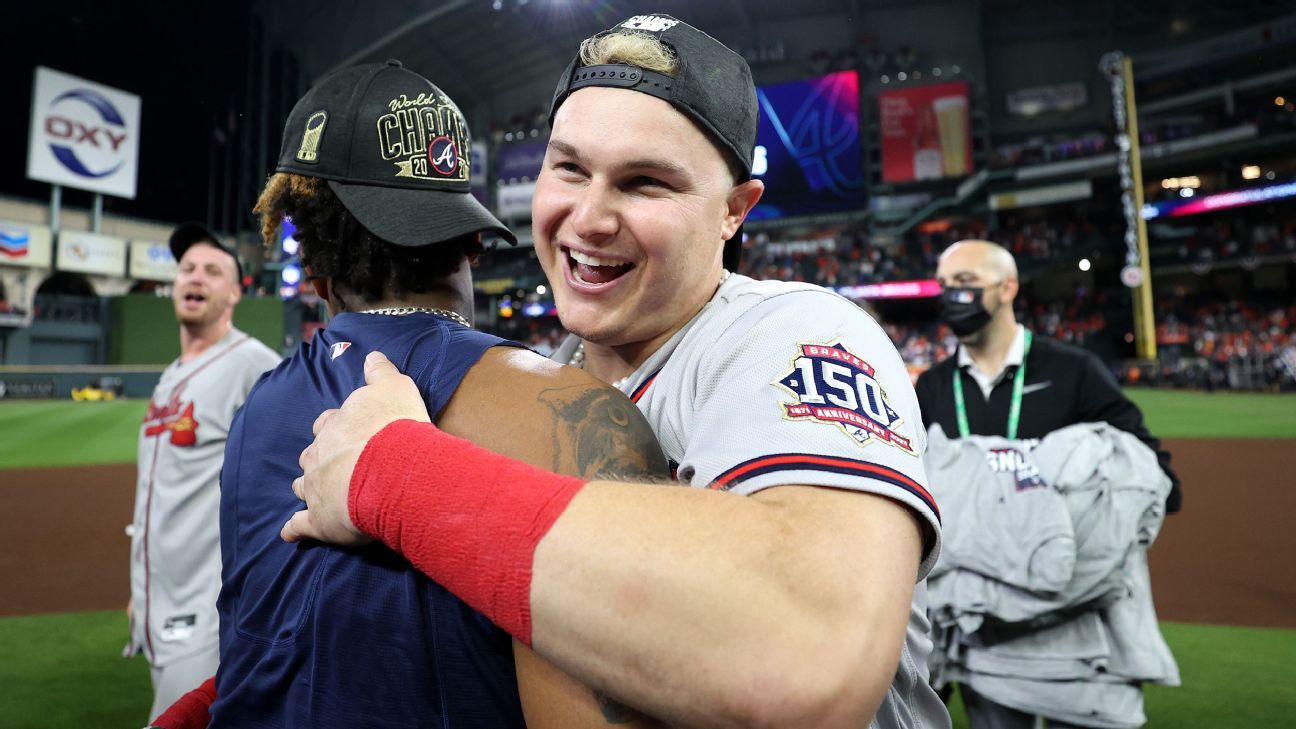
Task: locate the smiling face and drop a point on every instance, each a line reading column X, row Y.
column 206, row 286
column 630, row 215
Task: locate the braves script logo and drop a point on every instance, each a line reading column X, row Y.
column 73, row 139
column 835, row 387
column 1011, row 460
column 174, row 417
column 422, row 137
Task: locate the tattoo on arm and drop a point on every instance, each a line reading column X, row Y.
column 600, row 433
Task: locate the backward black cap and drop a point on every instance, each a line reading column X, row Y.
column 712, row 86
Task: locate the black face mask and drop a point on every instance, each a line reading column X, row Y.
column 962, row 310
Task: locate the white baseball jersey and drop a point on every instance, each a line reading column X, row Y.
column 175, row 536
column 777, row 383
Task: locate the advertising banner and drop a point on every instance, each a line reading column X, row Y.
column 102, row 255
column 83, row 135
column 808, row 147
column 23, row 244
column 513, row 202
column 926, row 134
column 151, row 261
column 519, row 162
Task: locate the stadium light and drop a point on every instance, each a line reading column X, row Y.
column 1084, row 264
column 541, row 289
column 1250, row 172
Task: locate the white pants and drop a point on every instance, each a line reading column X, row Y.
column 178, row 678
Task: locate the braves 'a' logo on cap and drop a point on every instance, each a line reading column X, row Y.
column 650, row 23
column 422, row 136
column 443, row 156
column 834, row 386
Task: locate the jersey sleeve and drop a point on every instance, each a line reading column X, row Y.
column 805, row 388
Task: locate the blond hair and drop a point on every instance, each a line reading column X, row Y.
column 631, row 48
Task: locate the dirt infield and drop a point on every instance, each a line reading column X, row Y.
column 1224, row 560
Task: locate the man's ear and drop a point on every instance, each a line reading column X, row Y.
column 1010, row 288
column 742, row 198
column 321, row 287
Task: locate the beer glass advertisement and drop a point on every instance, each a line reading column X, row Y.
column 808, row 147
column 925, row 133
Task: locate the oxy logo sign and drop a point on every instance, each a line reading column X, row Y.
column 834, row 386
column 83, row 134
column 87, row 148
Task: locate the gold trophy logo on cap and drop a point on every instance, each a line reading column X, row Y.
column 309, row 150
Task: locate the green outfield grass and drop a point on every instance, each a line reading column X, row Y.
column 42, row 433
column 66, row 670
column 66, row 433
column 1182, row 414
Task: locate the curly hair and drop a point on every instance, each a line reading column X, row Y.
column 334, row 245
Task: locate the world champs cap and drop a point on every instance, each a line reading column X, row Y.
column 394, row 149
column 712, row 86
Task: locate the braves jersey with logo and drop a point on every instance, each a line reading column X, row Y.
column 175, row 558
column 776, row 383
column 321, row 636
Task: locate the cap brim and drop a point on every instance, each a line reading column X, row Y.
column 418, row 217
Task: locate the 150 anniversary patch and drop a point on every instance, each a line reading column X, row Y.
column 833, row 386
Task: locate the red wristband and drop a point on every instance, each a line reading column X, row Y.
column 466, row 517
column 191, row 711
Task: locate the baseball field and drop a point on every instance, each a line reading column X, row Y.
column 1223, row 572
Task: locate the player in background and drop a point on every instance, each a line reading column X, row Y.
column 175, row 556
column 786, row 587
column 317, row 636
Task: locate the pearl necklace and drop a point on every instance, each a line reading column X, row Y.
column 578, row 357
column 403, row 310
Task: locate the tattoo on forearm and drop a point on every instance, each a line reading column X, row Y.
column 602, row 434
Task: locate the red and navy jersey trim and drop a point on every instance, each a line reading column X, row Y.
column 643, row 388
column 832, row 464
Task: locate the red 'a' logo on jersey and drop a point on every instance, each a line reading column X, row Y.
column 174, row 417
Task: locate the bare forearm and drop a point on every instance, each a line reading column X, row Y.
column 749, row 607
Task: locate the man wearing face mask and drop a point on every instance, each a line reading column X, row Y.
column 1006, row 381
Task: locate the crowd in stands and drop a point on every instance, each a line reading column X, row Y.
column 1222, row 238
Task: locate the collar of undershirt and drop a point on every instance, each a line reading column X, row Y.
column 1013, row 359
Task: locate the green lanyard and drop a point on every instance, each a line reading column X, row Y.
column 1014, row 411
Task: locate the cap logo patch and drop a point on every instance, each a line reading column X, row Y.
column 834, row 386
column 443, row 156
column 650, row 23
column 421, row 136
column 309, row 149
